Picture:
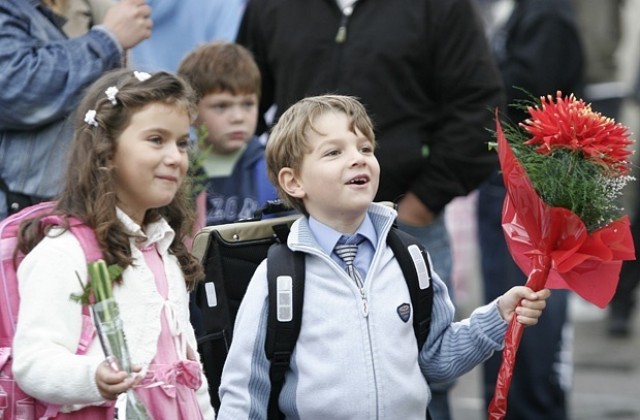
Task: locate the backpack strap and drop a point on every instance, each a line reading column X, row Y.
column 414, row 262
column 285, row 274
column 89, row 243
column 85, row 234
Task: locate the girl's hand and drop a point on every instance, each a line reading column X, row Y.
column 526, row 304
column 111, row 382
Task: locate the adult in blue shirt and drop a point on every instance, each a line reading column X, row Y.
column 43, row 74
column 179, row 26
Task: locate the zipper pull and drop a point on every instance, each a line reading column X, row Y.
column 365, row 303
column 341, row 36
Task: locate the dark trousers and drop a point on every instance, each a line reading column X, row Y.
column 537, row 390
column 624, row 300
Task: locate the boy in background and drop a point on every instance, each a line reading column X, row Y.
column 356, row 355
column 227, row 82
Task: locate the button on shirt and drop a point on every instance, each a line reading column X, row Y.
column 328, row 238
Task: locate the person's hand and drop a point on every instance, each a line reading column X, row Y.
column 526, row 304
column 111, row 382
column 412, row 211
column 129, row 22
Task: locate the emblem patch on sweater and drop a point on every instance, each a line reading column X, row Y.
column 404, row 312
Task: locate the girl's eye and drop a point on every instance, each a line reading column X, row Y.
column 155, row 139
column 367, row 149
column 184, row 144
column 332, row 153
column 248, row 104
column 220, row 107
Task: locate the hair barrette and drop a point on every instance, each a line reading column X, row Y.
column 90, row 117
column 141, row 75
column 111, row 93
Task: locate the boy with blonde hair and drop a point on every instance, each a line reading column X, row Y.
column 357, row 354
column 227, row 82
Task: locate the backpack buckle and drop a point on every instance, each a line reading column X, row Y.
column 281, row 358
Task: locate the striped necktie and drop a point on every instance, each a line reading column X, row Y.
column 347, row 253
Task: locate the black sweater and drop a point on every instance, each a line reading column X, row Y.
column 539, row 51
column 422, row 68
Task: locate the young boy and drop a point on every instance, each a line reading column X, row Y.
column 356, row 356
column 227, row 82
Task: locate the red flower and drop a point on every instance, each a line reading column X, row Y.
column 550, row 242
column 571, row 124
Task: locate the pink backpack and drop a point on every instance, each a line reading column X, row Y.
column 14, row 403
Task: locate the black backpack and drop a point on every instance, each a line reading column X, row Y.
column 231, row 253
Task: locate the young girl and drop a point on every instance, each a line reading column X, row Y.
column 126, row 180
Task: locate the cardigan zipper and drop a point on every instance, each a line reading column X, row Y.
column 341, row 35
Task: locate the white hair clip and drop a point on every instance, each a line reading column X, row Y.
column 111, row 93
column 141, row 75
column 90, row 117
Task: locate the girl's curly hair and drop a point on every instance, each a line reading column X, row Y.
column 89, row 186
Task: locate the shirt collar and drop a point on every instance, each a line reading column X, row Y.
column 328, row 237
column 156, row 232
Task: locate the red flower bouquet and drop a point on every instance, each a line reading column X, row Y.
column 564, row 169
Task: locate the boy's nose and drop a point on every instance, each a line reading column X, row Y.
column 357, row 158
column 237, row 113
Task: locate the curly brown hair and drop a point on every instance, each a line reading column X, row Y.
column 89, row 186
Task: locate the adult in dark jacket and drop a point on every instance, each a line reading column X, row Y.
column 424, row 72
column 625, row 301
column 538, row 49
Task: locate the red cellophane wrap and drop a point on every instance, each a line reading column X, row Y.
column 552, row 246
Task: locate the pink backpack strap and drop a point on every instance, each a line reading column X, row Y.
column 89, row 243
column 87, row 238
column 52, row 411
column 85, row 234
column 86, row 337
column 88, row 331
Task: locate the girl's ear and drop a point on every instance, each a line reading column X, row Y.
column 109, row 162
column 290, row 183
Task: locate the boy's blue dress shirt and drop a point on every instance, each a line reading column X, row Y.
column 328, row 238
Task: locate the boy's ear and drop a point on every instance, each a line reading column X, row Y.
column 290, row 183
